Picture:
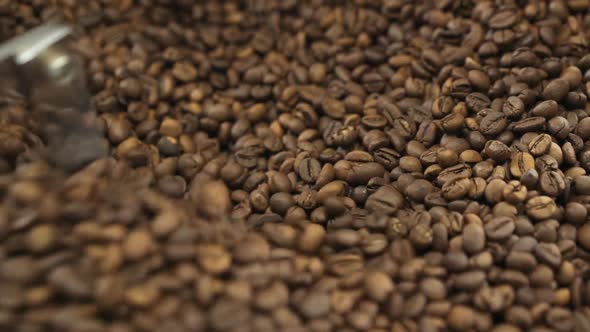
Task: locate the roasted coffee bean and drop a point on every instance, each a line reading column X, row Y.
column 559, row 127
column 456, row 189
column 473, row 238
column 477, row 101
column 552, row 183
column 499, row 228
column 309, row 170
column 528, row 125
column 583, row 237
column 521, row 163
column 497, row 150
column 333, row 108
column 540, row 145
column 493, row 123
column 362, row 173
column 556, row 90
column 513, row 107
column 479, row 79
column 386, row 200
column 546, row 109
column 540, row 207
column 548, row 253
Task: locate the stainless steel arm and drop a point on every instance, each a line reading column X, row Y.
column 41, row 66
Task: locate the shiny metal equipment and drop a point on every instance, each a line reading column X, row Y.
column 42, row 67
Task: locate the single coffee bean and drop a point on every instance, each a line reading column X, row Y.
column 521, row 261
column 386, row 200
column 559, row 127
column 521, row 163
column 493, row 123
column 473, row 238
column 361, row 174
column 584, row 236
column 531, row 124
column 513, row 107
column 477, row 101
column 503, row 19
column 540, row 207
column 479, row 79
column 378, row 285
column 461, row 318
column 547, row 109
column 499, row 228
column 333, row 108
column 583, row 128
column 556, row 90
column 540, row 145
column 418, row 190
column 452, row 122
column 572, row 75
column 548, row 253
column 456, row 189
column 497, row 150
column 552, row 183
column 309, row 169
column 454, row 172
column 470, row 280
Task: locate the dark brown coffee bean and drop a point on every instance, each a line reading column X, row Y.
column 442, row 106
column 470, row 156
column 473, row 238
column 556, row 90
column 546, row 109
column 130, row 87
column 521, row 261
column 418, row 190
column 184, row 71
column 477, row 101
column 583, row 238
column 458, row 171
column 479, row 79
column 560, row 319
column 559, row 127
column 540, row 145
column 470, row 280
column 493, row 123
column 497, row 150
column 513, row 107
column 452, row 122
column 333, row 108
column 552, row 183
column 528, row 125
column 378, row 285
column 362, row 173
column 521, row 163
column 548, row 253
column 531, row 75
column 461, row 318
column 583, row 128
column 309, row 169
column 456, row 189
column 540, row 207
column 386, row 200
column 503, row 19
column 572, row 75
column 499, row 228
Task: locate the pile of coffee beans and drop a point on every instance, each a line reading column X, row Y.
column 312, row 165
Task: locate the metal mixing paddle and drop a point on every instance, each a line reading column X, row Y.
column 41, row 66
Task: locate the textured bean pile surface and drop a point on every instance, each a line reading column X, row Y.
column 284, row 165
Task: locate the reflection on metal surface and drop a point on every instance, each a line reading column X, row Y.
column 42, row 67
